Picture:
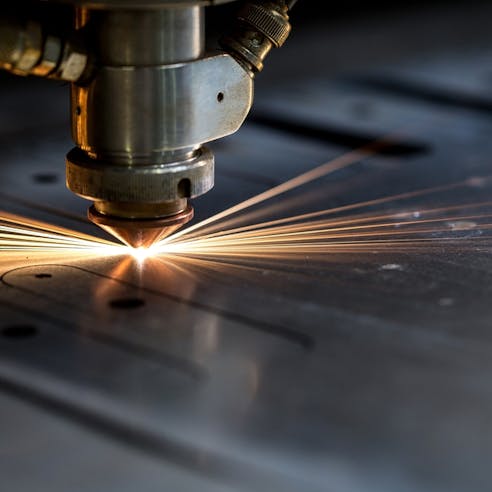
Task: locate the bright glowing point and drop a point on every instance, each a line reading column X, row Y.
column 141, row 254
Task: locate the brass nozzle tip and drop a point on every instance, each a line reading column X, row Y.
column 140, row 233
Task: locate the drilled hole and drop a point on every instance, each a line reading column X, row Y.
column 43, row 275
column 19, row 331
column 184, row 188
column 127, row 303
column 220, row 97
column 78, row 111
column 45, row 178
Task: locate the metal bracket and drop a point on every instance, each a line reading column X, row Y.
column 198, row 101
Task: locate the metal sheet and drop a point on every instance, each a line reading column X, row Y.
column 364, row 372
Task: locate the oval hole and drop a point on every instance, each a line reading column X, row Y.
column 45, row 178
column 184, row 188
column 19, row 331
column 43, row 275
column 127, row 303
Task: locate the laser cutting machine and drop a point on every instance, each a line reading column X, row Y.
column 145, row 98
column 223, row 363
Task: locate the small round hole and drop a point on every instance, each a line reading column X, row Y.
column 78, row 110
column 43, row 275
column 45, row 178
column 220, row 97
column 127, row 303
column 19, row 331
column 184, row 188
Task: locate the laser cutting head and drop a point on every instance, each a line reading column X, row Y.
column 142, row 119
column 144, row 232
column 145, row 99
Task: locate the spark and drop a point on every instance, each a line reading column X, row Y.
column 317, row 233
column 341, row 162
column 22, row 234
column 236, row 233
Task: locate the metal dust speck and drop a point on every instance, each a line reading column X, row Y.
column 478, row 181
column 446, row 302
column 462, row 225
column 392, row 267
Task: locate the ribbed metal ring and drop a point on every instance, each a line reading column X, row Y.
column 100, row 180
column 269, row 22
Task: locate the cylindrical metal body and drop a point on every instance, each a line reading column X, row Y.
column 140, row 118
column 130, row 157
column 120, row 116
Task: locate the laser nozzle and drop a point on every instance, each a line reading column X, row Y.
column 140, row 233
